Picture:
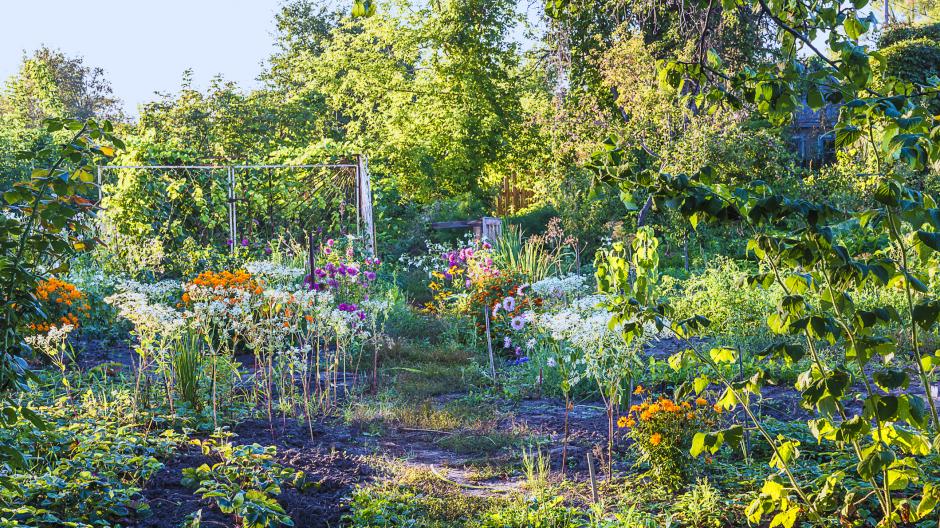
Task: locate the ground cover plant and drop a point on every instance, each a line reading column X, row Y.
column 697, row 310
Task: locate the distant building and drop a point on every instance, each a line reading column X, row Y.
column 812, row 134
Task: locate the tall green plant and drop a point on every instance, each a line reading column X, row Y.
column 530, row 257
column 799, row 245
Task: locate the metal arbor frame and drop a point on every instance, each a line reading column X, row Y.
column 365, row 226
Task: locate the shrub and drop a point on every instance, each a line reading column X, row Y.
column 662, row 431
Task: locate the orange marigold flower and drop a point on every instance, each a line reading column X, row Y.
column 701, row 402
column 717, row 408
column 622, row 422
column 639, row 390
column 656, row 439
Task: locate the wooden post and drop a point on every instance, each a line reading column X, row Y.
column 590, row 461
column 489, row 342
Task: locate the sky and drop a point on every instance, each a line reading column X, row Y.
column 144, row 46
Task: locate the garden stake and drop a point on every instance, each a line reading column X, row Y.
column 590, row 461
column 489, row 342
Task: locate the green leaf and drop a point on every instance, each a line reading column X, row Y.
column 930, row 239
column 785, row 518
column 723, row 355
column 889, row 379
column 874, row 462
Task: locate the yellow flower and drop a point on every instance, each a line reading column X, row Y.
column 656, row 439
column 622, row 422
column 717, row 408
column 639, row 390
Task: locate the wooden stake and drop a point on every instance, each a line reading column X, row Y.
column 590, row 461
column 489, row 342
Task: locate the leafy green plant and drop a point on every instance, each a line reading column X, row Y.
column 662, row 431
column 701, row 506
column 627, row 280
column 529, row 257
column 44, row 222
column 244, row 483
column 894, row 427
column 86, row 465
column 188, row 360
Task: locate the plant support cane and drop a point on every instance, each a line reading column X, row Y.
column 489, row 342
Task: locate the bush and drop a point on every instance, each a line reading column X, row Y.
column 737, row 313
column 663, row 431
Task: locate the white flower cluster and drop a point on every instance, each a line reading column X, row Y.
column 275, row 272
column 582, row 324
column 149, row 319
column 88, row 281
column 52, row 341
column 163, row 291
column 558, row 287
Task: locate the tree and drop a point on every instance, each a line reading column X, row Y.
column 51, row 84
column 426, row 91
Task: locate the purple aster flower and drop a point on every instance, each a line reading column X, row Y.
column 509, row 304
column 267, row 250
column 518, row 323
column 329, row 242
column 228, row 242
column 352, row 272
column 327, row 251
column 370, row 275
column 244, row 242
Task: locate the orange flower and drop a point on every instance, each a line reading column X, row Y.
column 701, row 402
column 639, row 390
column 717, row 408
column 656, row 439
column 622, row 422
